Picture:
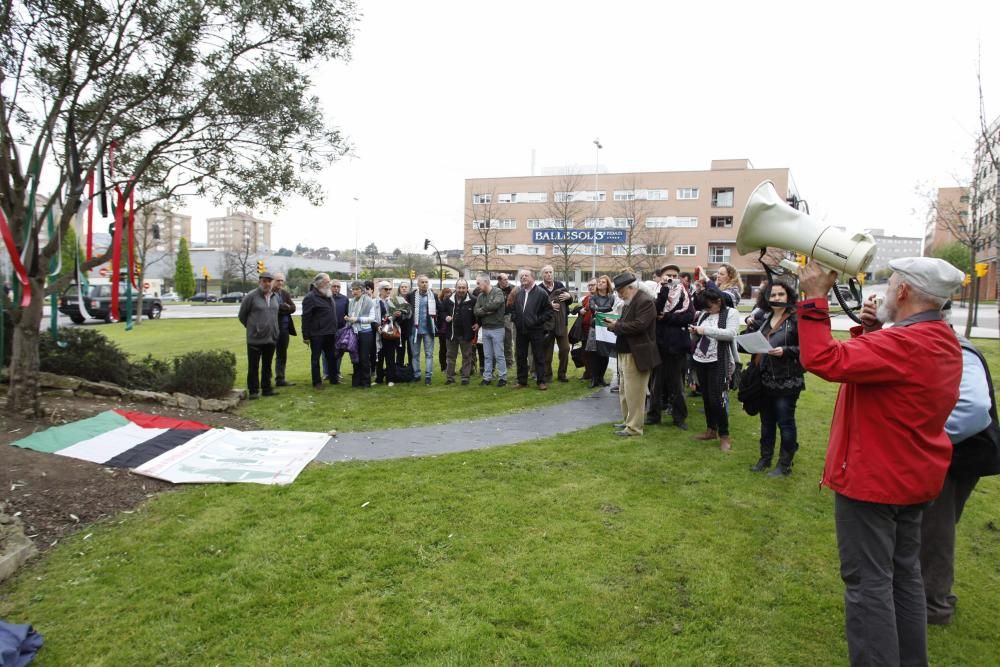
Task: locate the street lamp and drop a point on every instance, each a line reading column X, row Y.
column 355, row 238
column 597, row 162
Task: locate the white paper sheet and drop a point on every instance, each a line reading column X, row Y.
column 754, row 343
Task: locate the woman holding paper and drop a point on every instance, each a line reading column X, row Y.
column 782, row 378
column 601, row 301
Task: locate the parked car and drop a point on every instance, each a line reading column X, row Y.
column 98, row 304
column 844, row 291
column 170, row 296
column 207, row 298
column 232, row 297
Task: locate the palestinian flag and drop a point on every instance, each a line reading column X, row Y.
column 181, row 451
column 115, row 438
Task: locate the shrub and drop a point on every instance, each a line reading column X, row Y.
column 209, row 373
column 84, row 353
column 150, row 373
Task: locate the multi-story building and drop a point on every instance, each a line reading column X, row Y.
column 950, row 211
column 889, row 247
column 240, row 231
column 986, row 209
column 580, row 223
column 162, row 228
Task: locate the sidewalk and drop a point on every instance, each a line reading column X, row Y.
column 601, row 407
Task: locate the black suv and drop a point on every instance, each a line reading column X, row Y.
column 98, row 302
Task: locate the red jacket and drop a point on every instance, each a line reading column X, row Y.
column 887, row 439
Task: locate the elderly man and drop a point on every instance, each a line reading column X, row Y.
column 424, row 305
column 286, row 328
column 635, row 343
column 320, row 321
column 259, row 315
column 557, row 331
column 490, row 309
column 458, row 313
column 888, row 451
column 675, row 312
column 531, row 311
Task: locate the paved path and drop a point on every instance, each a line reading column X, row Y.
column 601, row 407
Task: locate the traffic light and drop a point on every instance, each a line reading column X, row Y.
column 260, row 266
column 966, row 280
column 427, row 243
column 801, row 259
column 413, row 274
column 982, row 269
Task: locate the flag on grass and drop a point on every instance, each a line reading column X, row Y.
column 180, row 451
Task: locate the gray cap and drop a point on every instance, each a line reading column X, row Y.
column 929, row 274
column 265, row 275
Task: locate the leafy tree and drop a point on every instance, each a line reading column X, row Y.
column 957, row 254
column 371, row 254
column 197, row 98
column 69, row 251
column 284, row 252
column 183, row 271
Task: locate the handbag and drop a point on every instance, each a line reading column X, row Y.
column 750, row 389
column 577, row 354
column 389, row 331
column 575, row 334
column 347, row 341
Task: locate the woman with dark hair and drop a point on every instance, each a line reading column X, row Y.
column 782, row 377
column 601, row 301
column 586, row 316
column 714, row 360
column 443, row 330
column 404, row 353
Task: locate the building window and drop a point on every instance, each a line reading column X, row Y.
column 529, row 250
column 687, row 250
column 657, row 195
column 687, row 193
column 653, row 249
column 722, row 197
column 494, row 223
column 582, row 195
column 505, row 250
column 578, row 249
column 608, row 223
column 657, row 222
column 482, row 198
column 719, row 254
column 624, row 195
column 722, row 221
column 521, row 198
column 478, row 250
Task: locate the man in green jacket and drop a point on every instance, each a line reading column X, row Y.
column 489, row 311
column 259, row 314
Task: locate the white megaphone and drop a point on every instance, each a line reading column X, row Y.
column 769, row 222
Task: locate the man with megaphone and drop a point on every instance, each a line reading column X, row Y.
column 888, row 451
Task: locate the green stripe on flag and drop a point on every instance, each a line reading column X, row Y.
column 59, row 437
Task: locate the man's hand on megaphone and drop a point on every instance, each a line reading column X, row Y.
column 869, row 319
column 815, row 280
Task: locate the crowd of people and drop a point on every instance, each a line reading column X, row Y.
column 914, row 427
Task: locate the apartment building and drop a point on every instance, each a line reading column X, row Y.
column 951, row 209
column 890, row 247
column 162, row 229
column 986, row 189
column 580, row 223
column 239, row 230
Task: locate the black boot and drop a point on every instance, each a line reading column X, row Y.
column 761, row 465
column 781, row 470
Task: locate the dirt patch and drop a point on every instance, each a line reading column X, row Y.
column 56, row 495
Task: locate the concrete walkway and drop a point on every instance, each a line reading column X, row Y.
column 601, row 407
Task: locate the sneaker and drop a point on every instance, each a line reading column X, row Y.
column 542, row 386
column 427, row 381
column 485, row 383
column 618, row 426
column 501, row 383
column 391, row 384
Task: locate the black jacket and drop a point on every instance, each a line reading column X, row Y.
column 319, row 315
column 671, row 327
column 462, row 317
column 531, row 315
column 782, row 374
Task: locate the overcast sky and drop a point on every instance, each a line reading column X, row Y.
column 864, row 101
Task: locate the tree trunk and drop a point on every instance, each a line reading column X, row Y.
column 24, row 393
column 974, row 285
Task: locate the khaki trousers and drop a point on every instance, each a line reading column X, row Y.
column 632, row 393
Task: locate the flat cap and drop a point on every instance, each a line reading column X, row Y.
column 265, row 275
column 929, row 274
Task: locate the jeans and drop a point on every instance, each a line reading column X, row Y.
column 259, row 367
column 778, row 412
column 493, row 353
column 884, row 608
column 428, row 342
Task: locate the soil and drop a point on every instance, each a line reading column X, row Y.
column 55, row 495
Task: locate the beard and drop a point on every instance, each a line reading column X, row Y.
column 887, row 311
column 326, row 292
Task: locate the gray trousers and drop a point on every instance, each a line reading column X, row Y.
column 937, row 546
column 884, row 609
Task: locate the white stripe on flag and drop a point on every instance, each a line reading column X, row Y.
column 108, row 445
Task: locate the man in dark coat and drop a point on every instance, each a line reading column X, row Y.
column 531, row 311
column 637, row 352
column 286, row 328
column 320, row 321
column 556, row 331
column 458, row 312
column 675, row 312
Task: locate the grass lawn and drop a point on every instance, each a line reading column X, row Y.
column 302, row 408
column 578, row 549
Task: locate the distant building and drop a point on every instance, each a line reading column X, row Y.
column 162, row 228
column 950, row 209
column 239, row 230
column 987, row 190
column 892, row 247
column 637, row 219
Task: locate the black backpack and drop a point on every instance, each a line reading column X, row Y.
column 979, row 455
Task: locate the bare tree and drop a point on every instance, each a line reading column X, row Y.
column 237, row 263
column 485, row 212
column 645, row 247
column 566, row 209
column 987, row 195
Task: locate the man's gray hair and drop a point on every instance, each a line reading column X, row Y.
column 920, row 296
column 530, row 272
column 483, row 276
column 320, row 277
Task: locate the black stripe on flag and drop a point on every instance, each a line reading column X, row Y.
column 149, row 450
